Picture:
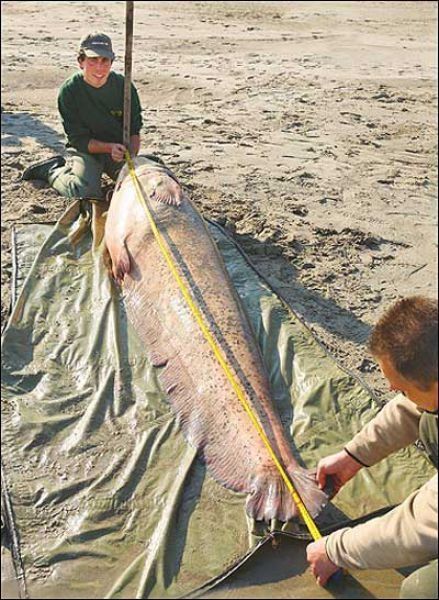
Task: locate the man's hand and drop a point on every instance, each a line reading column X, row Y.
column 321, row 567
column 115, row 150
column 340, row 467
column 118, row 152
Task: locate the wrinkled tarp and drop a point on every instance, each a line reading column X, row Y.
column 105, row 497
column 277, row 568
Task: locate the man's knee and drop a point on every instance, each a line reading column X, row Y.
column 422, row 583
column 72, row 185
column 84, row 189
column 80, row 177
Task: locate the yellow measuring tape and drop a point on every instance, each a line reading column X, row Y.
column 235, row 385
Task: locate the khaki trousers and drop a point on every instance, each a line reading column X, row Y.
column 81, row 176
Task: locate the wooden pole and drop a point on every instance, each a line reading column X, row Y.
column 129, row 20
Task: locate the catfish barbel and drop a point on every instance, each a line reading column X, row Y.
column 201, row 396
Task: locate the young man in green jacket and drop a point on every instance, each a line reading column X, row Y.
column 91, row 107
column 405, row 344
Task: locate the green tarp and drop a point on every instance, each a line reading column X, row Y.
column 103, row 497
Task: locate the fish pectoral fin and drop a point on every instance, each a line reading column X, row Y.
column 121, row 264
column 108, row 263
column 167, row 191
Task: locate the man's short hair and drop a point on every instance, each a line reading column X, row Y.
column 407, row 334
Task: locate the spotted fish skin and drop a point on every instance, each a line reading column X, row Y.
column 209, row 412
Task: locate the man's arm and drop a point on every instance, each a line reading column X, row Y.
column 396, row 426
column 78, row 134
column 117, row 151
column 405, row 536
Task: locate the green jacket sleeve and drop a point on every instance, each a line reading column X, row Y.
column 78, row 135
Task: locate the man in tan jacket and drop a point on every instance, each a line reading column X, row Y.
column 405, row 344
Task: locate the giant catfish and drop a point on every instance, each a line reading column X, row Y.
column 209, row 411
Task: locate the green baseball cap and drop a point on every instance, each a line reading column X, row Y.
column 97, row 44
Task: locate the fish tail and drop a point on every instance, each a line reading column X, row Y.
column 270, row 498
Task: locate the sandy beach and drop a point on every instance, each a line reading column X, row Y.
column 307, row 129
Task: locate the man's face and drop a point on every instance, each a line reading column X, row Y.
column 424, row 399
column 96, row 70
